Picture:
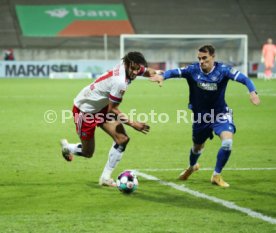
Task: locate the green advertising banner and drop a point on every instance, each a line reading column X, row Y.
column 73, row 20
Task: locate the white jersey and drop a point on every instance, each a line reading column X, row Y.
column 108, row 87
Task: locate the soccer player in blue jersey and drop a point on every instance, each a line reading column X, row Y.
column 207, row 80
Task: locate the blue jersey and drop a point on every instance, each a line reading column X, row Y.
column 207, row 91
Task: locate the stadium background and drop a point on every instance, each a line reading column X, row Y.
column 254, row 18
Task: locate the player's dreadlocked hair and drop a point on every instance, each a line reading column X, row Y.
column 207, row 49
column 135, row 57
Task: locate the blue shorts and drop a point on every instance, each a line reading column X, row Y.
column 204, row 130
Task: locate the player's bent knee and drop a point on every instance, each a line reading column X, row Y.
column 198, row 149
column 226, row 144
column 123, row 140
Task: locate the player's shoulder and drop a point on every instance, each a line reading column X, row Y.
column 223, row 67
column 118, row 70
column 118, row 73
column 119, row 79
column 190, row 67
column 227, row 69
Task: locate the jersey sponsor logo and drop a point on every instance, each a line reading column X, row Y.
column 208, row 86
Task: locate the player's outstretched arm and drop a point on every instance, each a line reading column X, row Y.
column 151, row 74
column 140, row 126
column 158, row 78
column 254, row 98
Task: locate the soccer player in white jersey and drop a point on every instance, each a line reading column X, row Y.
column 97, row 105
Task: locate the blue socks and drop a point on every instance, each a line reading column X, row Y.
column 222, row 158
column 194, row 157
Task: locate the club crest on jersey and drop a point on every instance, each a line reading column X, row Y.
column 214, row 78
column 208, row 86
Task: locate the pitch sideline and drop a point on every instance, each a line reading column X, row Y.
column 209, row 169
column 228, row 204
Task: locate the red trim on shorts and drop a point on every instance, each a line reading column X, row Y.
column 86, row 122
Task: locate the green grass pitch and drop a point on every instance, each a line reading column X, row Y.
column 40, row 192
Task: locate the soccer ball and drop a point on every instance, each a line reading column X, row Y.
column 127, row 182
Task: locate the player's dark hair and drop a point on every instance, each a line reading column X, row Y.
column 135, row 57
column 207, row 49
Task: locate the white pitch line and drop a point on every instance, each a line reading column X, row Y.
column 228, row 204
column 210, row 169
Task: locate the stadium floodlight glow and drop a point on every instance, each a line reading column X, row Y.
column 177, row 50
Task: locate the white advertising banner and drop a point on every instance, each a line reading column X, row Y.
column 44, row 69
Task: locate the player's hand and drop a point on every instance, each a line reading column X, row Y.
column 254, row 98
column 160, row 72
column 140, row 126
column 158, row 78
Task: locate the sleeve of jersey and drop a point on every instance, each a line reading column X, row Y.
column 241, row 78
column 175, row 73
column 117, row 92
